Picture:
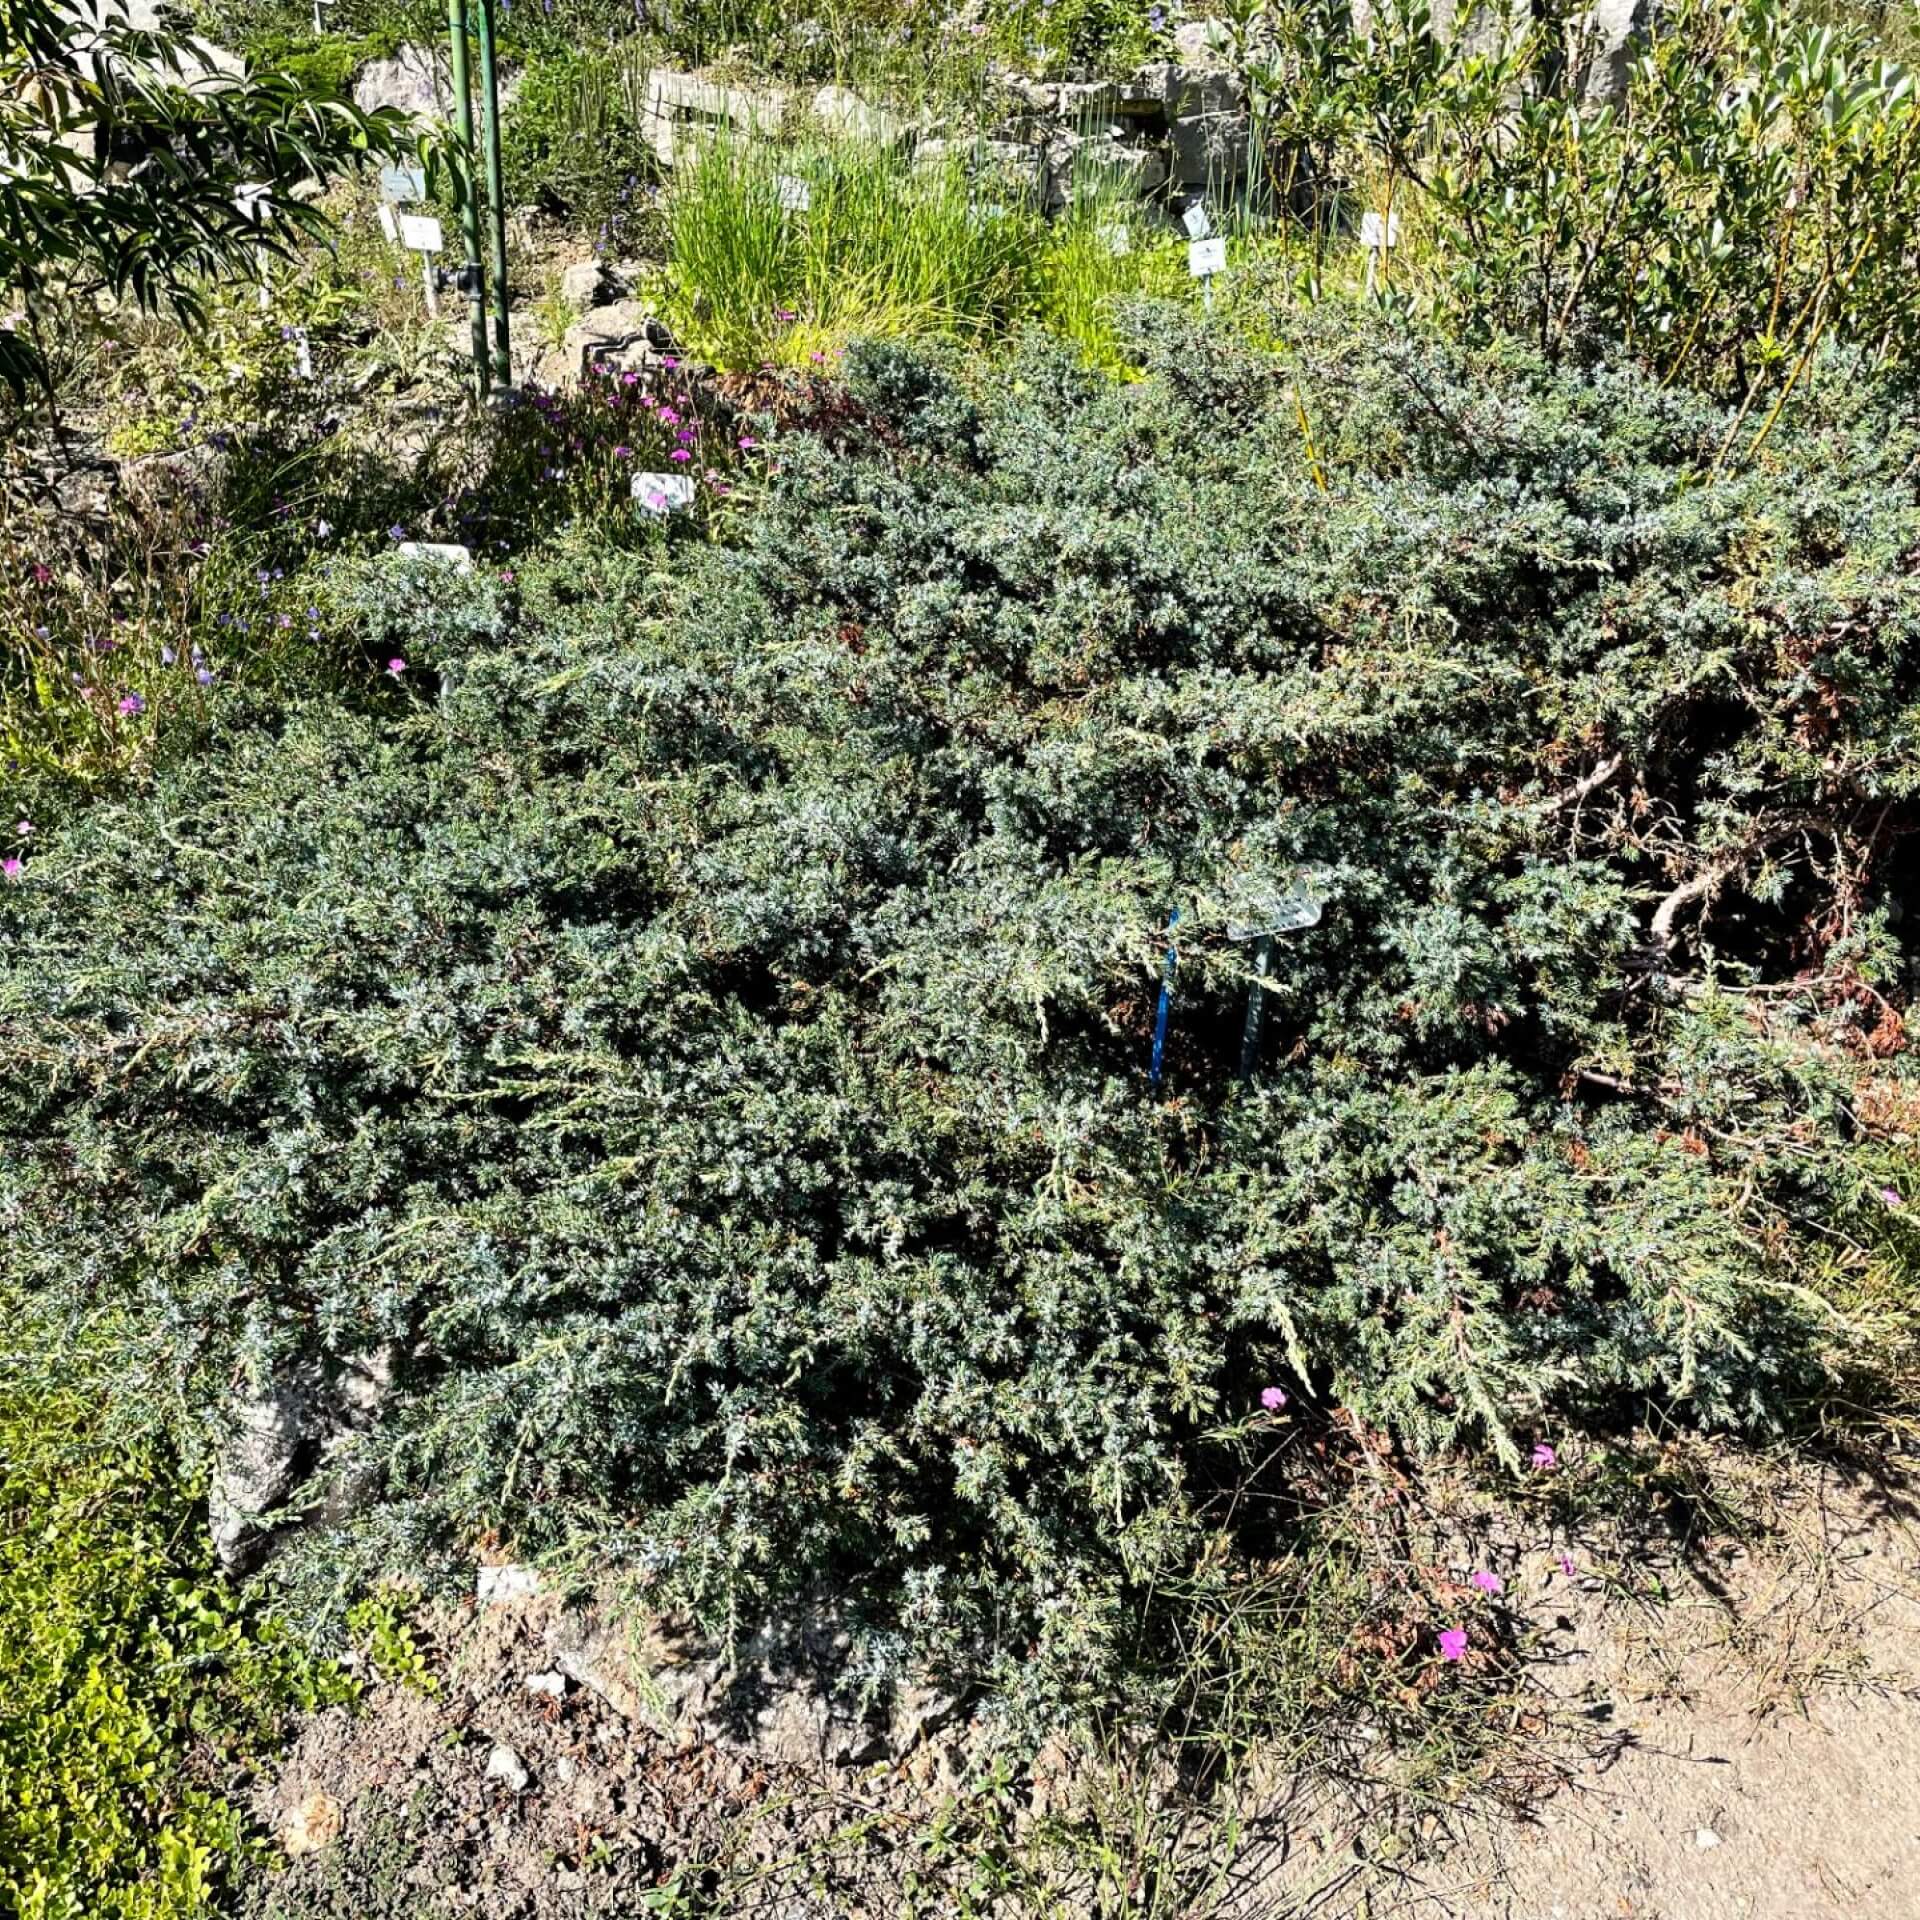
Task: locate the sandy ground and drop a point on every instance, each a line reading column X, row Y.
column 1725, row 1729
column 1756, row 1749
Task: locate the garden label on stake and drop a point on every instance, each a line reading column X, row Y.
column 404, row 184
column 1263, row 910
column 251, row 199
column 1197, row 221
column 796, row 195
column 1205, row 258
column 1378, row 236
column 420, row 233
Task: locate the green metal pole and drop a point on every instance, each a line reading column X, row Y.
column 497, row 206
column 466, row 184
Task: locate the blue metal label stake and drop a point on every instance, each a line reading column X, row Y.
column 1166, row 998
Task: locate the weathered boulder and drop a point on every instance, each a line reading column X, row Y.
column 414, row 80
column 842, row 111
column 683, row 109
column 581, row 285
column 257, row 1465
column 1209, row 150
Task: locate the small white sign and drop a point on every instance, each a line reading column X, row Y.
column 1376, row 234
column 302, row 356
column 389, row 222
column 1116, row 239
column 1197, row 221
column 1205, row 258
column 252, row 199
column 796, row 195
column 662, row 493
column 421, row 232
column 448, row 554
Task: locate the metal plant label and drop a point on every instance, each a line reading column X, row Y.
column 796, row 195
column 1267, row 907
column 1197, row 221
column 1205, row 258
column 1263, row 909
column 403, row 183
column 420, row 232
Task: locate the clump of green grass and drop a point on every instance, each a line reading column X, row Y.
column 884, row 248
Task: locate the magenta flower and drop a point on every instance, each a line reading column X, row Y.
column 23, row 828
column 396, row 667
column 748, row 443
column 623, row 453
column 13, row 866
column 1891, row 1195
column 668, row 417
column 1489, row 1583
column 129, row 705
column 1566, row 1565
column 1544, row 1456
column 1273, row 1398
column 679, row 453
column 1453, row 1644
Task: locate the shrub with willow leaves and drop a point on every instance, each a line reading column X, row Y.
column 1750, row 193
column 707, row 1045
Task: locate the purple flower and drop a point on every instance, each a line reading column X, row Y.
column 1891, row 1196
column 1489, row 1583
column 668, row 417
column 205, row 676
column 13, row 866
column 23, row 828
column 129, row 705
column 168, row 656
column 1544, row 1456
column 1453, row 1644
column 679, row 453
column 1566, row 1565
column 747, row 443
column 396, row 533
column 1273, row 1398
column 623, row 453
column 396, row 667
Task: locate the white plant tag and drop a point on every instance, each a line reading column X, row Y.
column 389, row 222
column 1376, row 235
column 1116, row 239
column 251, row 200
column 662, row 493
column 456, row 557
column 1197, row 221
column 796, row 195
column 1205, row 258
column 303, row 357
column 421, row 232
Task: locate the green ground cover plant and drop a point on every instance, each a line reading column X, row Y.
column 700, row 1025
column 133, row 1676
